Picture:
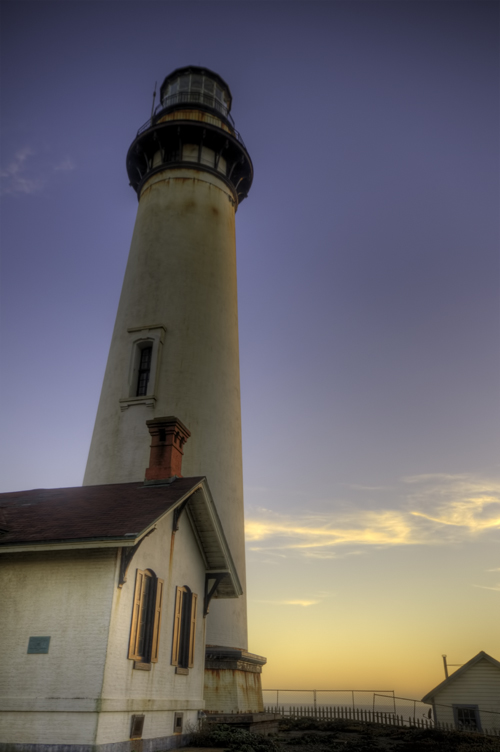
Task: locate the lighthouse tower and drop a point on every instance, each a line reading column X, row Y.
column 174, row 349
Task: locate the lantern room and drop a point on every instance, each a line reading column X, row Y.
column 198, row 86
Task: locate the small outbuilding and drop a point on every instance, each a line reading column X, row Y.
column 469, row 699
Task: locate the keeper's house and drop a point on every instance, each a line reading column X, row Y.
column 104, row 593
column 469, row 699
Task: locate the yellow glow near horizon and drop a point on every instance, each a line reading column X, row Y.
column 364, row 598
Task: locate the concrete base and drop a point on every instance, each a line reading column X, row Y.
column 257, row 723
column 232, row 681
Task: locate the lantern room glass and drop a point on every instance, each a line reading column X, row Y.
column 196, row 87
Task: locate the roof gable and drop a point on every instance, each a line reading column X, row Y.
column 460, row 672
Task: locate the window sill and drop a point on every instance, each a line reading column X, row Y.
column 142, row 666
column 181, row 671
column 148, row 401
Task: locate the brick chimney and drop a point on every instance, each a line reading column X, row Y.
column 168, row 436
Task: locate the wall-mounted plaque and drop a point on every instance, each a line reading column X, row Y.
column 38, row 645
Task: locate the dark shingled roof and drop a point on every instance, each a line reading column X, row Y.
column 116, row 511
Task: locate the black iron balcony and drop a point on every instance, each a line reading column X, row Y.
column 182, row 98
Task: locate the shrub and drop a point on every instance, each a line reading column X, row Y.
column 233, row 739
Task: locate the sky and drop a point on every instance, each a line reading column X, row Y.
column 368, row 283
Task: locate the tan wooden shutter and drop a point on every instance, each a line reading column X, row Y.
column 136, row 611
column 155, row 643
column 192, row 630
column 176, row 639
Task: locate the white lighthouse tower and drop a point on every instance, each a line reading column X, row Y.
column 174, row 349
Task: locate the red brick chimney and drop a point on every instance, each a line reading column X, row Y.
column 168, row 436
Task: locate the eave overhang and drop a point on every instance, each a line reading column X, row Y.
column 205, row 523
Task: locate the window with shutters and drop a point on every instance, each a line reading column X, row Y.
column 184, row 635
column 146, row 619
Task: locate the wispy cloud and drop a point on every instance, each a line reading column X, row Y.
column 15, row 177
column 457, row 501
column 66, row 165
column 435, row 509
column 296, row 602
column 360, row 487
column 489, row 587
column 28, row 172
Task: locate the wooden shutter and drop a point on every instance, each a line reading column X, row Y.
column 192, row 630
column 176, row 639
column 155, row 643
column 136, row 612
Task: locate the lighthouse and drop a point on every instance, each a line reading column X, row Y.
column 174, row 348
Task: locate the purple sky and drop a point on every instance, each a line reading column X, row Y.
column 367, row 249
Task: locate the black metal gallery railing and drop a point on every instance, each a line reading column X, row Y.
column 191, row 98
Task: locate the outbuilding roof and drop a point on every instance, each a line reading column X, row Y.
column 115, row 515
column 460, row 672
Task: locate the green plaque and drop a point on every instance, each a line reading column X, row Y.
column 38, row 645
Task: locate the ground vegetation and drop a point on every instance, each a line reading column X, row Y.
column 308, row 735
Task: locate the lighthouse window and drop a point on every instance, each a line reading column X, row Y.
column 183, row 642
column 144, row 371
column 146, row 618
column 140, row 385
